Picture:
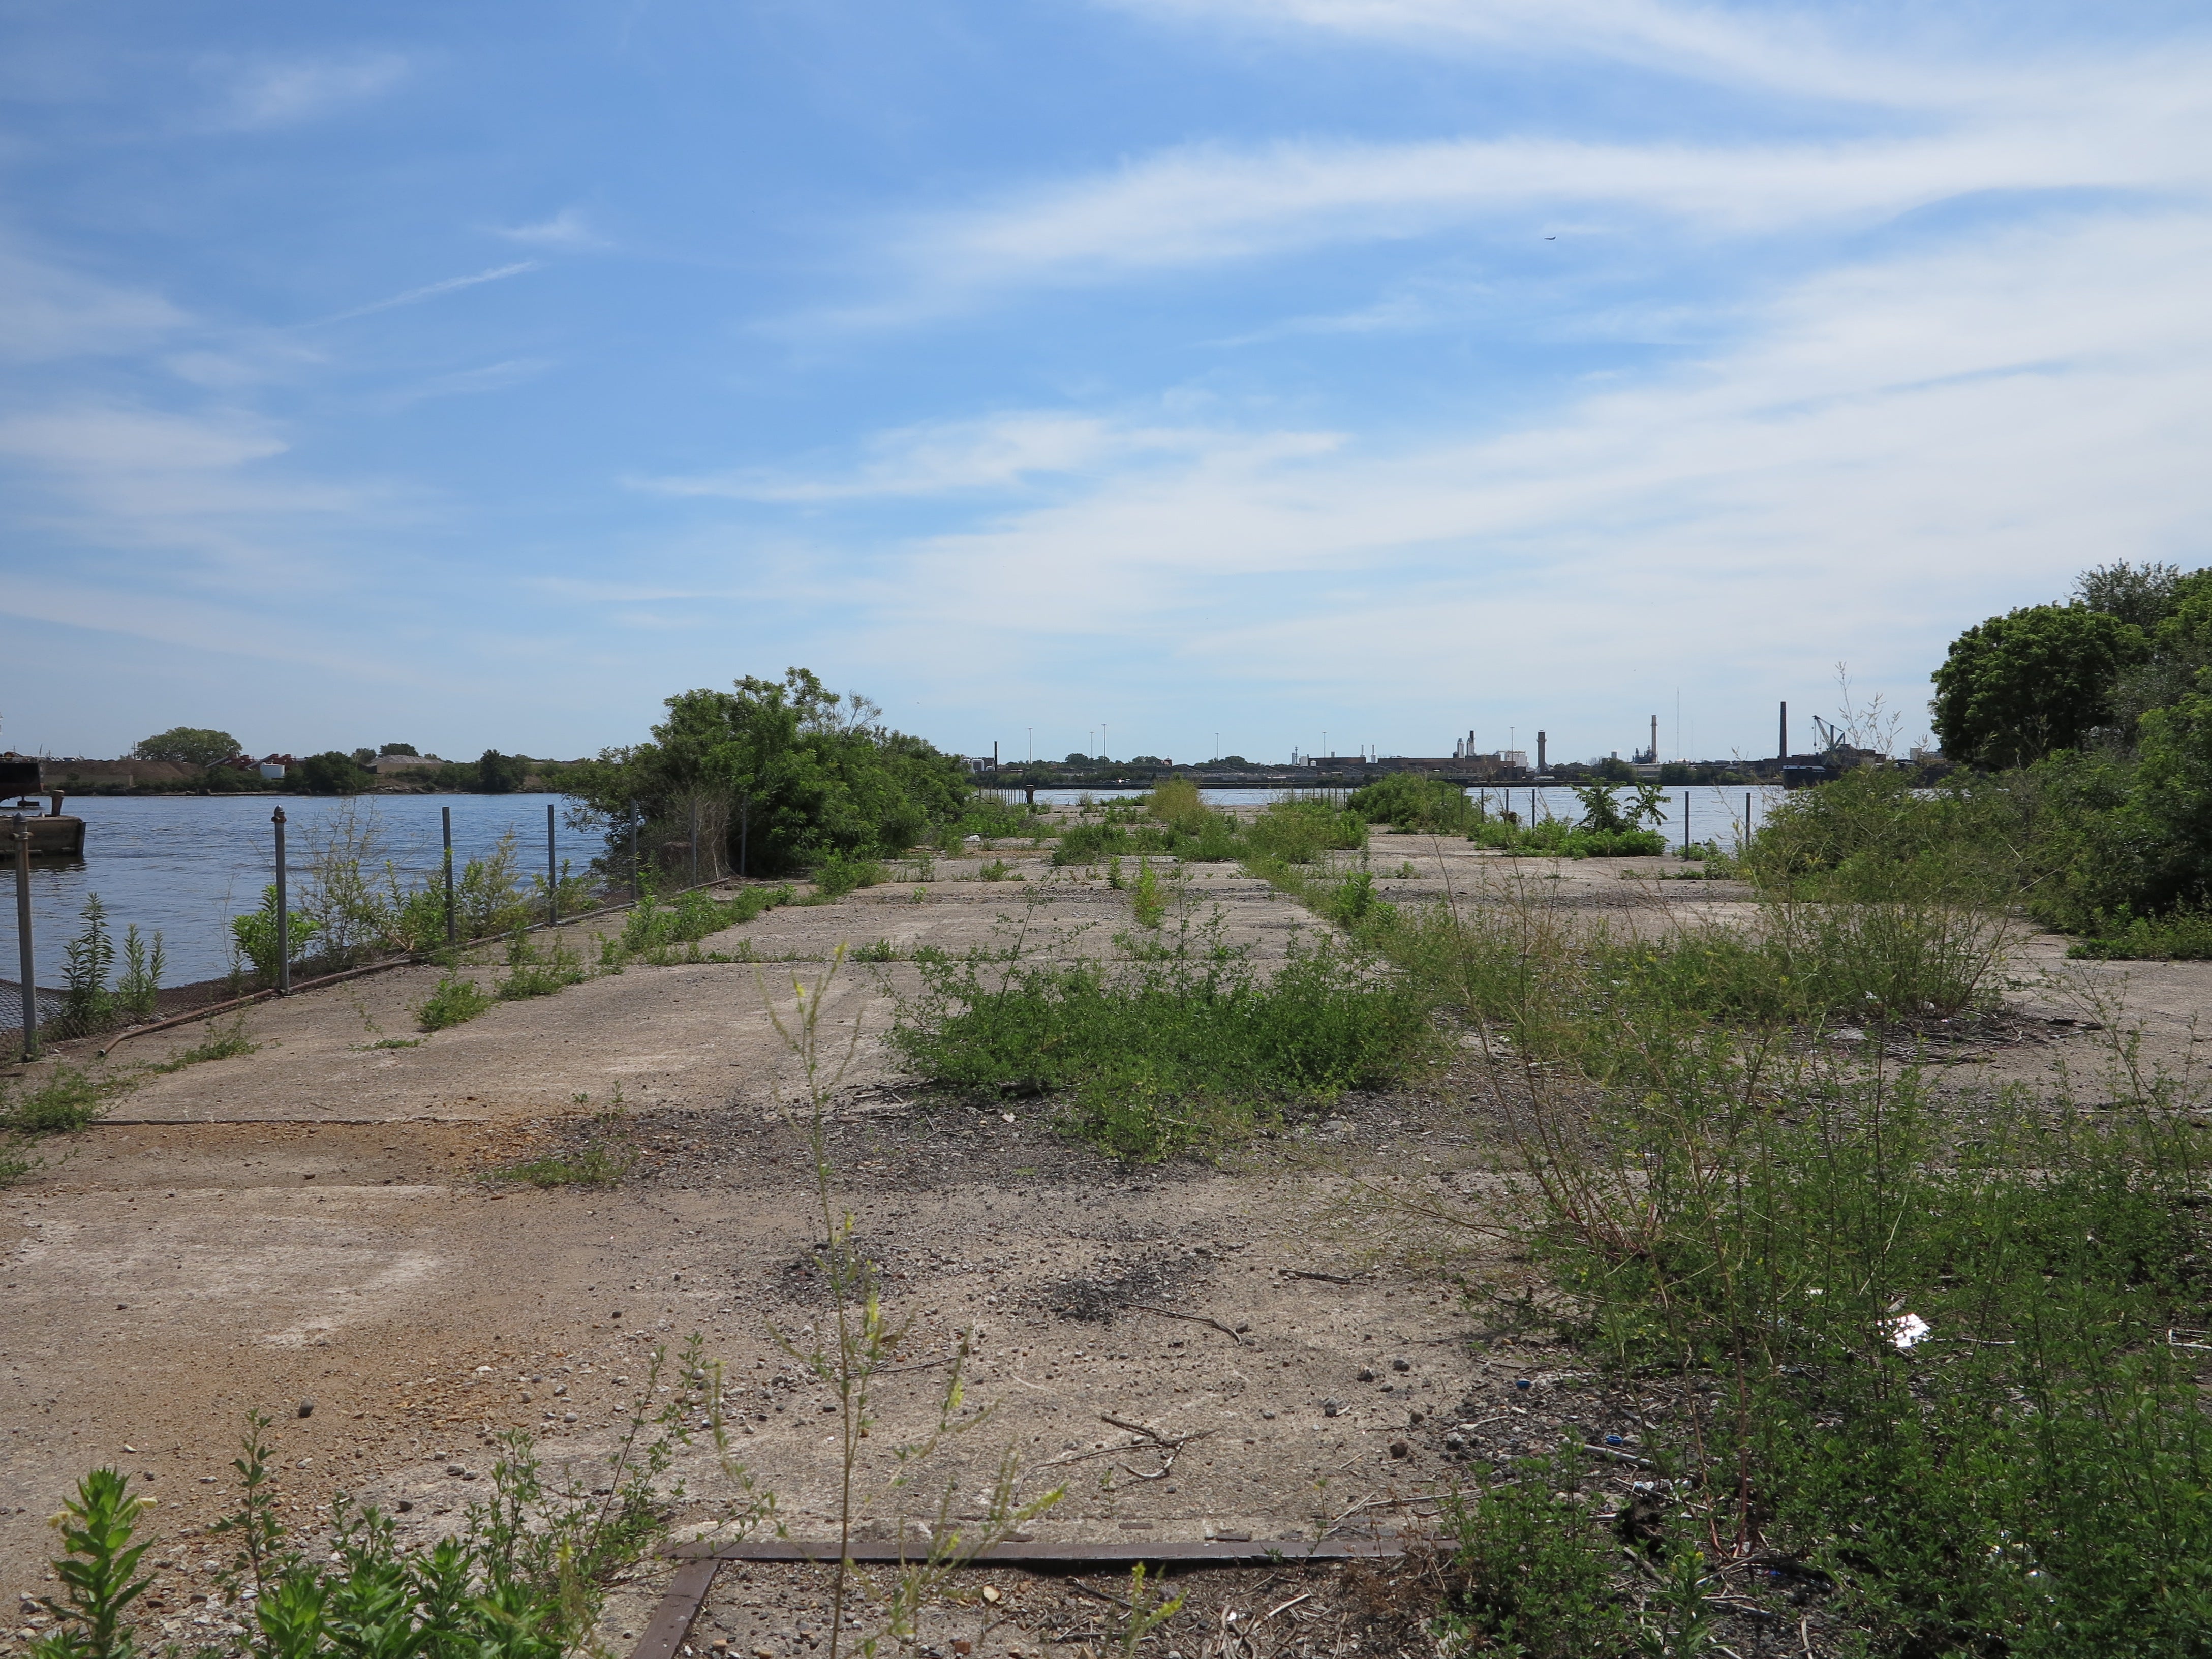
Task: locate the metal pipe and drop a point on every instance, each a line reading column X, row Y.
column 452, row 935
column 552, row 872
column 633, row 851
column 1686, row 824
column 283, row 914
column 695, row 841
column 23, row 938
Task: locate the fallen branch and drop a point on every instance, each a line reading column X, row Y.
column 1195, row 1319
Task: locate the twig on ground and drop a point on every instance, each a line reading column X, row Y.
column 1096, row 1595
column 1167, row 1444
column 1286, row 1606
column 1330, row 1279
column 1195, row 1319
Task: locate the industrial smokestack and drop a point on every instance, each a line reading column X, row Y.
column 1786, row 731
column 1539, row 751
column 1655, row 741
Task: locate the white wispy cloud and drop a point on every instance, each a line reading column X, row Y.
column 196, row 488
column 48, row 311
column 469, row 382
column 1893, row 446
column 565, row 229
column 431, row 290
column 1209, row 204
column 272, row 93
column 1008, row 450
column 1774, row 49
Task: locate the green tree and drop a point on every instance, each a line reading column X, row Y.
column 199, row 747
column 2020, row 686
column 333, row 772
column 792, row 769
column 2141, row 594
column 498, row 774
column 400, row 749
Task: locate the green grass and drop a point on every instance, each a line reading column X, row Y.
column 1294, row 831
column 225, row 1041
column 1172, row 1044
column 66, row 1100
column 654, row 932
column 2034, row 1476
column 456, row 1001
column 594, row 1166
column 532, row 972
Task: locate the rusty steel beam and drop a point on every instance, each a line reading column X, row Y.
column 672, row 1619
column 1211, row 1552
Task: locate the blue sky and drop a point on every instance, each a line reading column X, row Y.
column 1391, row 368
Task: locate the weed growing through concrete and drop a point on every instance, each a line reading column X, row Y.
column 653, row 930
column 227, row 1040
column 533, row 972
column 1939, row 1356
column 457, row 999
column 1175, row 1042
column 1146, row 902
column 858, row 1344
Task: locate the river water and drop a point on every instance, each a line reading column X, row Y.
column 1712, row 814
column 187, row 864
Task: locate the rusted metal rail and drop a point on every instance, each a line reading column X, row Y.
column 670, row 1624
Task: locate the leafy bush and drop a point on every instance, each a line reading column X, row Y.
column 97, row 1526
column 1528, row 1572
column 1555, row 838
column 456, row 1001
column 1146, row 902
column 838, row 875
column 255, row 935
column 2184, row 936
column 792, row 769
column 333, row 772
column 1953, row 1358
column 1409, row 801
column 1299, row 831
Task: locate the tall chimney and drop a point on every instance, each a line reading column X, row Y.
column 1655, row 739
column 1539, row 751
column 1786, row 731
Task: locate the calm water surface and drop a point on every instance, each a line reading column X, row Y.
column 187, row 864
column 1713, row 813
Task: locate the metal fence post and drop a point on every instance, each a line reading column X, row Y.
column 1686, row 824
column 452, row 937
column 1747, row 822
column 745, row 833
column 695, row 841
column 283, row 914
column 633, row 853
column 23, row 938
column 552, row 872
